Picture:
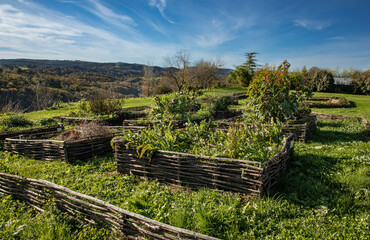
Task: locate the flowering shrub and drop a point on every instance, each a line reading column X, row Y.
column 270, row 95
column 173, row 106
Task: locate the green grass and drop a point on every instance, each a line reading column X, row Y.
column 138, row 102
column 18, row 221
column 325, row 194
column 221, row 91
column 360, row 105
column 63, row 111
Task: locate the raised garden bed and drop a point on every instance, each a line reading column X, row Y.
column 89, row 210
column 327, row 102
column 33, row 131
column 324, row 116
column 302, row 131
column 197, row 171
column 69, row 150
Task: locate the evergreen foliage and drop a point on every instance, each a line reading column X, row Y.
column 321, row 80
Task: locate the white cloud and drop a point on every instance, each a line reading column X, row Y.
column 312, row 24
column 217, row 32
column 38, row 32
column 108, row 15
column 160, row 5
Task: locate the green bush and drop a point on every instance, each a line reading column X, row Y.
column 361, row 83
column 242, row 75
column 117, row 117
column 320, row 80
column 101, row 106
column 173, row 106
column 219, row 105
column 16, row 121
column 269, row 95
column 47, row 121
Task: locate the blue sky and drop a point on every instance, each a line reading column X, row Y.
column 326, row 33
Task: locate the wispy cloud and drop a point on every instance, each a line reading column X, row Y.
column 312, row 24
column 38, row 32
column 217, row 31
column 160, row 5
column 337, row 38
column 109, row 15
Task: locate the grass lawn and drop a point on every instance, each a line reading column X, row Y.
column 214, row 92
column 360, row 105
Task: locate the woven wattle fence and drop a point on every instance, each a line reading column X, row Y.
column 196, row 171
column 70, row 150
column 302, row 131
column 32, row 131
column 126, row 224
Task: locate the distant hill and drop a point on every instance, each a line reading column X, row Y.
column 31, row 84
column 117, row 69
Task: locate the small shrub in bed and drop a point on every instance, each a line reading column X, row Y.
column 219, row 105
column 14, row 121
column 270, row 95
column 173, row 106
column 101, row 105
column 47, row 121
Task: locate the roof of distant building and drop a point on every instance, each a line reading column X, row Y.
column 342, row 81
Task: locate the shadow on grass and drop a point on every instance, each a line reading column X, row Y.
column 327, row 137
column 336, row 131
column 352, row 104
column 95, row 161
column 312, row 178
column 307, row 181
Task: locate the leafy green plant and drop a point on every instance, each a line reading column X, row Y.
column 18, row 221
column 173, row 107
column 361, row 83
column 320, row 80
column 254, row 142
column 243, row 74
column 218, row 105
column 269, row 95
column 47, row 121
column 16, row 120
